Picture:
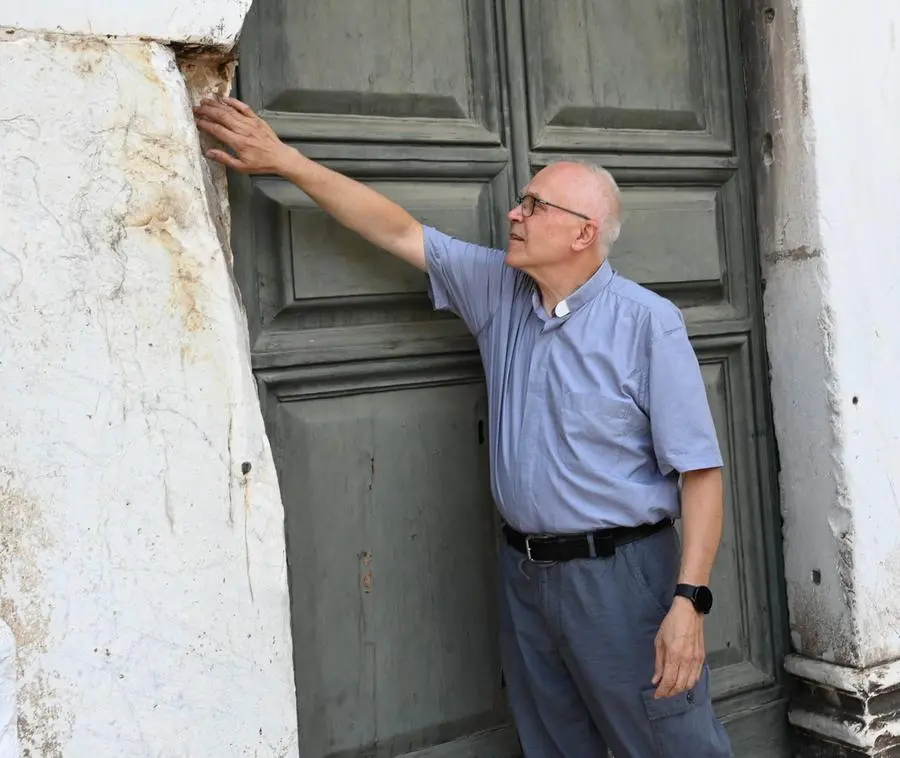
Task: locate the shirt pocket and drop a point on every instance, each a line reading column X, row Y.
column 598, row 429
column 607, row 417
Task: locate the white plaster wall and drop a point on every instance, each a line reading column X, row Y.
column 142, row 570
column 853, row 60
column 212, row 22
column 798, row 332
column 9, row 744
column 827, row 90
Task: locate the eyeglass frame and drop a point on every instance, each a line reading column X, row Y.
column 536, row 201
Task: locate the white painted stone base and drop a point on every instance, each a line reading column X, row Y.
column 142, row 559
column 872, row 681
column 867, row 726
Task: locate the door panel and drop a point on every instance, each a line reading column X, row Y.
column 404, row 70
column 375, row 405
column 330, row 261
column 391, row 563
column 685, row 241
column 321, row 288
column 670, row 235
column 738, row 645
column 641, row 75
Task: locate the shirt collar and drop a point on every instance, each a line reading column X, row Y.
column 584, row 294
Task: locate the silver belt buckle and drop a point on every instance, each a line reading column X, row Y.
column 528, row 538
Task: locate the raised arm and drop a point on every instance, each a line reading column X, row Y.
column 258, row 150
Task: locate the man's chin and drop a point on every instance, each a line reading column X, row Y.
column 514, row 258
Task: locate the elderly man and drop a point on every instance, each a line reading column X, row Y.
column 600, row 436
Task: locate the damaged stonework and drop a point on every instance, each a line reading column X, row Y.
column 142, row 558
column 209, row 73
column 861, row 711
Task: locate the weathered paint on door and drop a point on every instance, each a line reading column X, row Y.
column 375, row 405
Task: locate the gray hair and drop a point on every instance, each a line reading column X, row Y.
column 612, row 225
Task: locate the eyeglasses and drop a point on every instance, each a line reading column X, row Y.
column 528, row 203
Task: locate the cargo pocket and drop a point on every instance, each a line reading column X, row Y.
column 685, row 725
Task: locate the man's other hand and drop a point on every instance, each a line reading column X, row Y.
column 680, row 651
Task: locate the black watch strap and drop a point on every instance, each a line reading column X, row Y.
column 700, row 596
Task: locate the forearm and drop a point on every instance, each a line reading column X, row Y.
column 258, row 149
column 358, row 207
column 702, row 513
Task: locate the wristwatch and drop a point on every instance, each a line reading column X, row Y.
column 701, row 597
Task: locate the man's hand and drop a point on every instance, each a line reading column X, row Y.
column 680, row 651
column 257, row 149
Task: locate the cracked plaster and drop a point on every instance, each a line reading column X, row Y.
column 141, row 571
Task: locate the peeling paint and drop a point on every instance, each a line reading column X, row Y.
column 24, row 543
column 818, row 632
column 801, row 253
column 366, row 577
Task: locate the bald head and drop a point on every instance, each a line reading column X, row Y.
column 591, row 190
column 567, row 227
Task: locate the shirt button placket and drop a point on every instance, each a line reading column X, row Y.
column 535, row 404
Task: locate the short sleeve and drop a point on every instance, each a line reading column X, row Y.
column 464, row 278
column 681, row 424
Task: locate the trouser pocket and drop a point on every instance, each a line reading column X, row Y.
column 685, row 725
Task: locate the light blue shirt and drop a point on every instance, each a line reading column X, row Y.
column 595, row 410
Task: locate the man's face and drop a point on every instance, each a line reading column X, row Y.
column 545, row 237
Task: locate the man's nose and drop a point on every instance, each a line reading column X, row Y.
column 516, row 214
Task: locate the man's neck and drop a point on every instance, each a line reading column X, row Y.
column 556, row 284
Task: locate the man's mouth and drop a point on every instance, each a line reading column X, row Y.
column 514, row 236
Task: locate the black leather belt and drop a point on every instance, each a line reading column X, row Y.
column 551, row 548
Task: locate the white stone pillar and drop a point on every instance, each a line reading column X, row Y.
column 824, row 87
column 142, row 555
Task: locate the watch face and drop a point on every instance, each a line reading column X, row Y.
column 703, row 599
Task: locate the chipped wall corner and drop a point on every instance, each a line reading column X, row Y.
column 208, row 71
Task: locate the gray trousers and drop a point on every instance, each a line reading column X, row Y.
column 577, row 645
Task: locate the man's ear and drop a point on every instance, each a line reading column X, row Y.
column 587, row 236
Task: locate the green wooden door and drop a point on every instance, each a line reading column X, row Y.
column 375, row 406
